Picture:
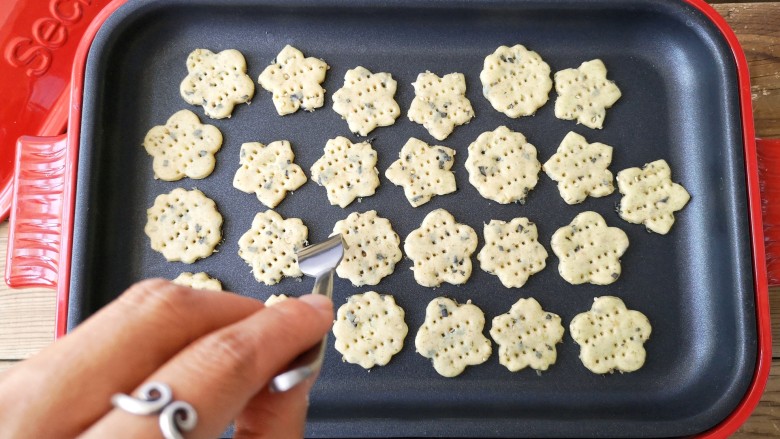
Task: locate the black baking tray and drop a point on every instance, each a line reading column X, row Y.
column 680, row 103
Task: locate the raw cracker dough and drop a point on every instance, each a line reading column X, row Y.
column 217, row 82
column 294, row 81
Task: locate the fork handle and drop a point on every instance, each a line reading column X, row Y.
column 324, row 284
column 308, row 363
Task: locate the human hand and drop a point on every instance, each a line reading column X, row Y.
column 217, row 351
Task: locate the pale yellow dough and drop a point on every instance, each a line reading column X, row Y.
column 373, row 248
column 441, row 250
column 650, row 197
column 516, row 81
column 451, row 336
column 347, row 171
column 217, row 82
column 184, row 225
column 580, row 168
column 366, row 100
column 512, row 251
column 268, row 171
column 585, row 93
column 589, row 251
column 183, row 147
column 611, row 337
column 269, row 247
column 369, row 329
column 423, row 171
column 440, row 104
column 294, row 81
column 503, row 166
column 199, row 281
column 526, row 336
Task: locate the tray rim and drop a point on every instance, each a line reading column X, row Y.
column 764, row 347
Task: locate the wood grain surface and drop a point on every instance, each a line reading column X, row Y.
column 27, row 316
column 757, row 26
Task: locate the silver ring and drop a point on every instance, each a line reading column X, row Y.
column 155, row 397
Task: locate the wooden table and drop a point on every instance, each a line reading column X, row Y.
column 27, row 316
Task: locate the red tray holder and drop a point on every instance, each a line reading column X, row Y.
column 44, row 196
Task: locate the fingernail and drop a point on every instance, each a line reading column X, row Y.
column 319, row 302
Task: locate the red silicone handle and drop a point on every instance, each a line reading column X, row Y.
column 768, row 152
column 38, row 43
column 36, row 216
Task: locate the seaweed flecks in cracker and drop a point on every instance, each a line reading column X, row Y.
column 503, row 166
column 268, row 171
column 269, row 246
column 423, row 171
column 451, row 336
column 441, row 249
column 183, row 147
column 294, row 81
column 440, row 103
column 369, row 329
column 650, row 197
column 515, row 80
column 611, row 337
column 366, row 100
column 580, row 169
column 347, row 171
column 585, row 93
column 373, row 248
column 184, row 225
column 217, row 82
column 589, row 251
column 526, row 336
column 512, row 251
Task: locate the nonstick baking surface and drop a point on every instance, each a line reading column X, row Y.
column 680, row 103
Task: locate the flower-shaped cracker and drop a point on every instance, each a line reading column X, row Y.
column 503, row 166
column 452, row 337
column 440, row 104
column 295, row 81
column 366, row 100
column 369, row 329
column 580, row 168
column 512, row 251
column 184, row 225
column 269, row 246
column 585, row 93
column 183, row 147
column 372, row 248
column 198, row 281
column 441, row 250
column 611, row 336
column 588, row 250
column 423, row 171
column 515, row 80
column 650, row 197
column 347, row 170
column 217, row 81
column 526, row 336
column 275, row 298
column 268, row 171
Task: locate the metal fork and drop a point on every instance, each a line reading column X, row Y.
column 318, row 261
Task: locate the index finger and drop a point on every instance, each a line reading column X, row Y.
column 116, row 349
column 221, row 372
